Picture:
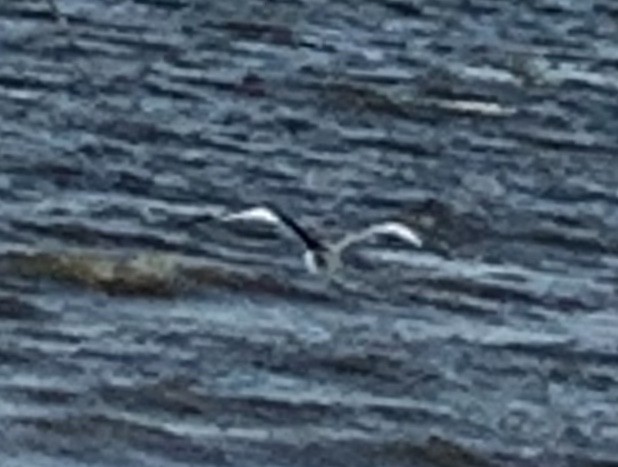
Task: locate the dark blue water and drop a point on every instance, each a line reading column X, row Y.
column 138, row 329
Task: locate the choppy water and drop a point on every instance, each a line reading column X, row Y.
column 138, row 330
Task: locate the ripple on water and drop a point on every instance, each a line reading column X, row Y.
column 139, row 330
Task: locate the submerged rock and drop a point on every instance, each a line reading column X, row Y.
column 146, row 273
column 141, row 274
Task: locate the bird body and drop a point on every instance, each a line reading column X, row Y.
column 320, row 257
column 322, row 261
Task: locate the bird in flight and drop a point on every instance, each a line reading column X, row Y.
column 321, row 257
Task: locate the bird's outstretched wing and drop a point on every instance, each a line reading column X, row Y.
column 274, row 216
column 395, row 229
column 259, row 213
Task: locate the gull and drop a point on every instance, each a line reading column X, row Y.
column 321, row 257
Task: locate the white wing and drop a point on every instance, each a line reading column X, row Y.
column 395, row 229
column 273, row 216
column 259, row 213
